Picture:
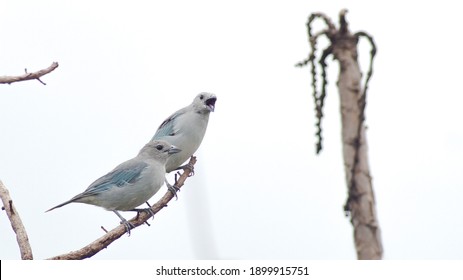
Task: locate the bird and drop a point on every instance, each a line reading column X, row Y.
column 186, row 129
column 131, row 183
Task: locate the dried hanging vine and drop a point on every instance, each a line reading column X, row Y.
column 334, row 35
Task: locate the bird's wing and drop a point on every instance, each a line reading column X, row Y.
column 126, row 173
column 167, row 127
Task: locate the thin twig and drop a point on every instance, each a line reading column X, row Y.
column 16, row 223
column 140, row 219
column 29, row 76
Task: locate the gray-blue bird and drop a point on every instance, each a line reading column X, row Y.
column 131, row 183
column 186, row 129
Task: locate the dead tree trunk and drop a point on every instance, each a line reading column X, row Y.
column 360, row 203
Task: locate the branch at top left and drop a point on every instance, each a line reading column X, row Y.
column 29, row 76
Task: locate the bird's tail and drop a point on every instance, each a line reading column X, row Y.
column 59, row 205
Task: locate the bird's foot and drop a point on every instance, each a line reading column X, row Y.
column 146, row 210
column 150, row 211
column 173, row 189
column 189, row 167
column 128, row 226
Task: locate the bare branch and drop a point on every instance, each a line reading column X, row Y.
column 16, row 223
column 29, row 76
column 141, row 218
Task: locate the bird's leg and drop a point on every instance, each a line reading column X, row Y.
column 128, row 225
column 173, row 189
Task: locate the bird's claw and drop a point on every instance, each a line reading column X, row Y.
column 189, row 167
column 149, row 211
column 146, row 210
column 128, row 226
column 173, row 189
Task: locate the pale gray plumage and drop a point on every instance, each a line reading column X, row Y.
column 131, row 183
column 186, row 128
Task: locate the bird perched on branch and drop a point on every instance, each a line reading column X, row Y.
column 131, row 183
column 186, row 129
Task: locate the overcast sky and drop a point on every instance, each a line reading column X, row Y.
column 259, row 191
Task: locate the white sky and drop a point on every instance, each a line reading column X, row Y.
column 259, row 192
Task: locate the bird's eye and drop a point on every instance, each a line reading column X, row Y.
column 159, row 147
column 201, row 97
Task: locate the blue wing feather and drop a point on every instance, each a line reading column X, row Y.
column 119, row 177
column 167, row 127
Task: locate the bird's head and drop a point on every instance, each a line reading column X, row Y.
column 204, row 102
column 159, row 149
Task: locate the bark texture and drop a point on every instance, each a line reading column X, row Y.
column 361, row 202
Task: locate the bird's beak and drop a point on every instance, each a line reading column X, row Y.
column 210, row 103
column 173, row 150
